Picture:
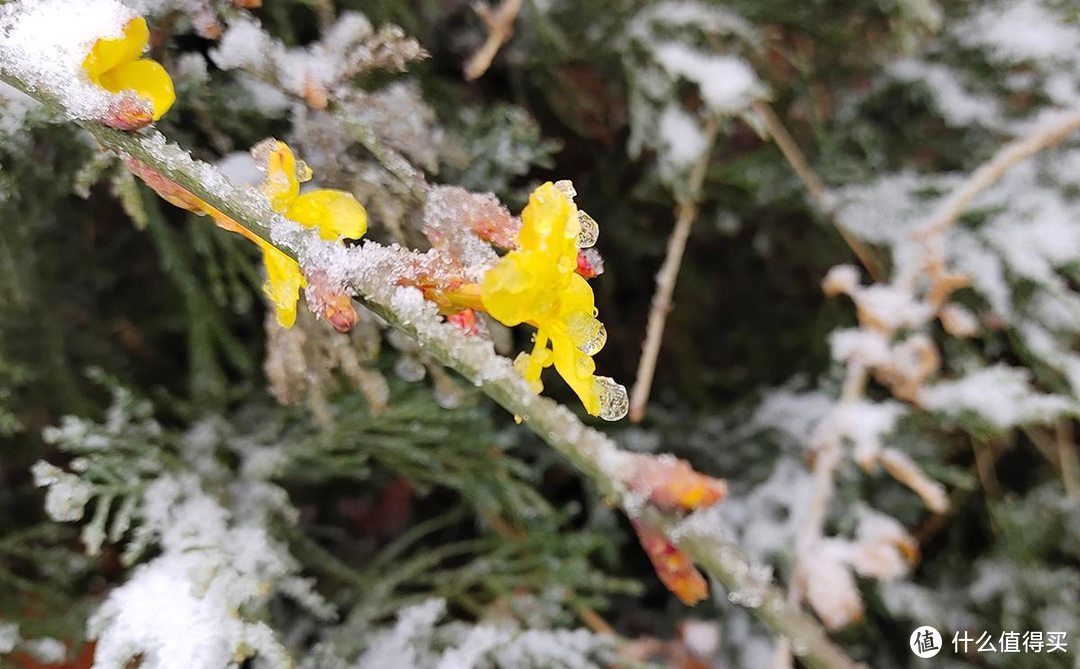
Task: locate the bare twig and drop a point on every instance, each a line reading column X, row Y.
column 687, row 212
column 1070, row 466
column 500, row 24
column 818, row 193
column 1012, row 154
column 369, row 271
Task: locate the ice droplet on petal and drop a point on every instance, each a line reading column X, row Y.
column 589, row 334
column 589, row 232
column 614, row 402
column 566, row 187
column 303, row 171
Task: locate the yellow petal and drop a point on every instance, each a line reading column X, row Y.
column 577, row 369
column 147, row 79
column 335, row 213
column 523, row 286
column 575, row 296
column 547, row 220
column 283, row 284
column 109, row 53
column 283, row 173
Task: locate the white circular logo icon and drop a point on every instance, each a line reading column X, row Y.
column 925, row 641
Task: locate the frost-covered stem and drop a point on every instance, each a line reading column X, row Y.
column 591, row 452
column 1012, row 154
column 666, row 277
column 819, row 195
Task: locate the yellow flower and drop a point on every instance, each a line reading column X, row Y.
column 537, row 283
column 116, row 66
column 336, row 214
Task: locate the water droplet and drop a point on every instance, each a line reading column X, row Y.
column 614, row 402
column 566, row 187
column 303, row 171
column 589, row 334
column 589, row 232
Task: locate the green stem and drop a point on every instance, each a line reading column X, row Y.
column 370, row 272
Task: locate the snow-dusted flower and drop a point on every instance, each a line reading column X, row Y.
column 116, row 65
column 538, row 283
column 334, row 213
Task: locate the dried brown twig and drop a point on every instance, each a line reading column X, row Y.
column 687, row 212
column 500, row 24
column 819, row 196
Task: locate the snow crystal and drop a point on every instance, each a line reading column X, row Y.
column 44, row 43
column 766, row 518
column 14, row 108
column 702, row 637
column 683, row 139
column 958, row 105
column 1021, row 30
column 791, row 412
column 191, row 69
column 244, row 45
column 67, row 494
column 416, row 640
column 727, row 83
column 399, row 646
column 194, row 630
column 350, row 28
column 9, row 637
column 211, row 569
column 240, row 168
column 883, row 548
column 859, row 345
column 830, row 585
column 862, row 423
column 1001, row 395
column 46, row 649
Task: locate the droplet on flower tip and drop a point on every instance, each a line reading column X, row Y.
column 589, row 232
column 303, row 171
column 589, row 334
column 566, row 187
column 614, row 402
